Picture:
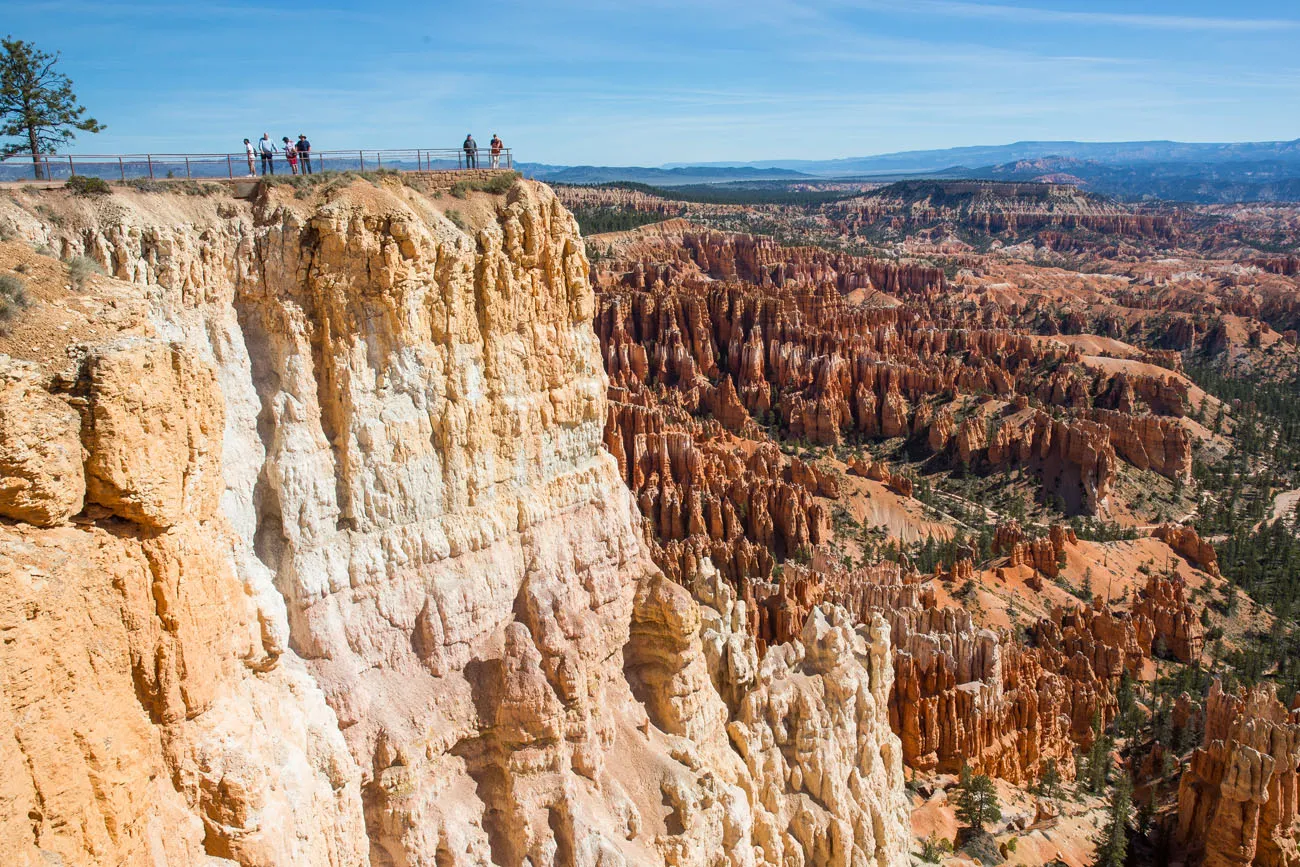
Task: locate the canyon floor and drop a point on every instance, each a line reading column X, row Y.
column 388, row 520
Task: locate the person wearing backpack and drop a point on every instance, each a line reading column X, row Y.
column 290, row 155
column 497, row 146
column 304, row 154
column 268, row 151
column 471, row 152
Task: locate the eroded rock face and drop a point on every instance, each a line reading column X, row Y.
column 149, row 709
column 154, row 419
column 1237, row 800
column 42, row 480
column 415, row 520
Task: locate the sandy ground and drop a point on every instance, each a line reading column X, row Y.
column 57, row 316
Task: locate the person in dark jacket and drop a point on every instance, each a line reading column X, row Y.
column 471, row 152
column 303, row 147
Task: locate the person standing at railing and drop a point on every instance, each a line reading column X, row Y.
column 471, row 152
column 248, row 151
column 268, row 150
column 304, row 154
column 290, row 155
column 497, row 145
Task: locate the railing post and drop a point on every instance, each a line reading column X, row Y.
column 361, row 155
column 230, row 168
column 187, row 168
column 149, row 159
column 72, row 170
column 121, row 167
column 379, row 158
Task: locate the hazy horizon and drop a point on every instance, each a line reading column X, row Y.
column 675, row 82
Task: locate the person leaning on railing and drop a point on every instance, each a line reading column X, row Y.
column 497, row 145
column 290, row 155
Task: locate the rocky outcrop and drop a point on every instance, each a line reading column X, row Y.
column 1237, row 800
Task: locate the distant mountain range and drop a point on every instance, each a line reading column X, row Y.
column 990, row 155
column 661, row 177
column 1181, row 171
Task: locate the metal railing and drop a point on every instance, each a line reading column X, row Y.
column 122, row 167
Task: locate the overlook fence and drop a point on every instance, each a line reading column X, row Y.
column 122, row 167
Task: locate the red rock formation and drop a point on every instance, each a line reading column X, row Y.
column 1237, row 801
column 1043, row 553
column 1174, row 619
column 1187, row 544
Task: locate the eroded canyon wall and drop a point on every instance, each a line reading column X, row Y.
column 322, row 562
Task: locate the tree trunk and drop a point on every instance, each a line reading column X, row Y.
column 35, row 145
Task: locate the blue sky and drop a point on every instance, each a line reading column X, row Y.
column 625, row 82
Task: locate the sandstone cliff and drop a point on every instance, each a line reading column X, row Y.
column 322, row 562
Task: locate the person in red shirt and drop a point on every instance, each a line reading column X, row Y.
column 497, row 145
column 290, row 154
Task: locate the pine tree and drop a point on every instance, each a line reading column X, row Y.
column 1112, row 848
column 977, row 801
column 1094, row 772
column 37, row 104
column 1049, row 780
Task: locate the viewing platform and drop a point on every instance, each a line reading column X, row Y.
column 230, row 167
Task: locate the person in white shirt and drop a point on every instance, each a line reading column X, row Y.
column 248, row 151
column 268, row 150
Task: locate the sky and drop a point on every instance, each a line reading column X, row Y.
column 620, row 82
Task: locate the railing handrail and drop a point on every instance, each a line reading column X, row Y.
column 199, row 166
column 240, row 153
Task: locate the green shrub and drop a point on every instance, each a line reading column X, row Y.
column 457, row 220
column 935, row 849
column 80, row 270
column 497, row 184
column 85, row 185
column 13, row 297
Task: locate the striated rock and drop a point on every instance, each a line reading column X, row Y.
column 1237, row 800
column 151, row 708
column 42, row 481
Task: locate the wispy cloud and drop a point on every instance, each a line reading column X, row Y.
column 1033, row 14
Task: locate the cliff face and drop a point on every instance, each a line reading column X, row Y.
column 323, row 562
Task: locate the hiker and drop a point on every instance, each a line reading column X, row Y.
column 471, row 152
column 290, row 155
column 304, row 153
column 248, row 151
column 497, row 145
column 268, row 151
